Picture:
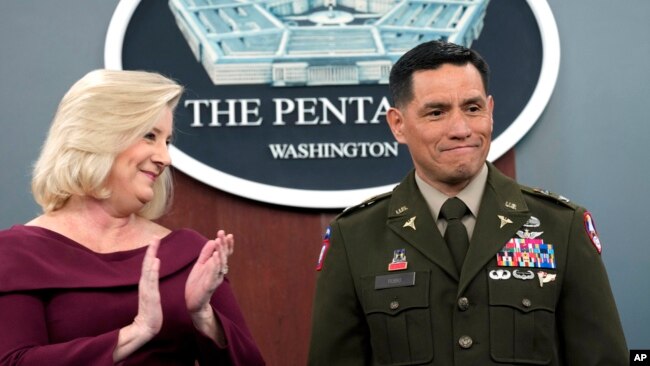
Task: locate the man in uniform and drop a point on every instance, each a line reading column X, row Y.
column 460, row 265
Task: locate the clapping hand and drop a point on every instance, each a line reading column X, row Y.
column 206, row 275
column 149, row 319
column 150, row 316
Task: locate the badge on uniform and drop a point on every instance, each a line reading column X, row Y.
column 499, row 274
column 410, row 223
column 545, row 277
column 524, row 252
column 591, row 231
column 324, row 248
column 526, row 233
column 523, row 275
column 399, row 260
column 504, row 221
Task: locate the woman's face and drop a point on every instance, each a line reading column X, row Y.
column 136, row 169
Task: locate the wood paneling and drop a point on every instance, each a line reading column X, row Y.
column 273, row 268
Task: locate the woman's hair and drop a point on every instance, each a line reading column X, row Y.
column 101, row 115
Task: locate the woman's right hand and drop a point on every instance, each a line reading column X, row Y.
column 148, row 321
column 150, row 316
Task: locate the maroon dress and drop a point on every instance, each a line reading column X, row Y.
column 63, row 304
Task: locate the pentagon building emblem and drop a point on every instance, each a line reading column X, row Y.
column 317, row 42
column 286, row 100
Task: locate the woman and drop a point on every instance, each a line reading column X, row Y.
column 93, row 280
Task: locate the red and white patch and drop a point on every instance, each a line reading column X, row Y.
column 323, row 253
column 324, row 249
column 591, row 231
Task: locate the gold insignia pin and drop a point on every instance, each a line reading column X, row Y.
column 410, row 223
column 400, row 210
column 504, row 221
column 510, row 205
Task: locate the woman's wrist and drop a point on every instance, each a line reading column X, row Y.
column 131, row 338
column 206, row 322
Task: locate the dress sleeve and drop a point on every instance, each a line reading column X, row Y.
column 590, row 327
column 241, row 348
column 24, row 337
column 339, row 332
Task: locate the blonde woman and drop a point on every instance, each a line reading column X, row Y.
column 93, row 280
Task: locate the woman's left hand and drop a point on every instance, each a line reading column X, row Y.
column 206, row 275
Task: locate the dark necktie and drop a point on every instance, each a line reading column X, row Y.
column 456, row 237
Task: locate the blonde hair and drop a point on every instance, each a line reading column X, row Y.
column 101, row 115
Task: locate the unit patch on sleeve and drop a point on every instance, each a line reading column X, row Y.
column 525, row 252
column 324, row 248
column 591, row 231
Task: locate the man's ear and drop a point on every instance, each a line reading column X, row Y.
column 491, row 109
column 396, row 123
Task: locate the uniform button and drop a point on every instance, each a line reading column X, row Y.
column 463, row 303
column 526, row 303
column 394, row 305
column 465, row 342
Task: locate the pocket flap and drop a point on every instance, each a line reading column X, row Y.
column 525, row 295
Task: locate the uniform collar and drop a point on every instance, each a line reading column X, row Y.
column 471, row 195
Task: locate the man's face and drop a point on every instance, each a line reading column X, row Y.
column 447, row 125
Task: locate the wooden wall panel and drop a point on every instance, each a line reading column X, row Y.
column 272, row 271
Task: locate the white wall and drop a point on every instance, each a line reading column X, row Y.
column 589, row 145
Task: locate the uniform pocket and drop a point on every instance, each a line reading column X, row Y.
column 522, row 316
column 400, row 321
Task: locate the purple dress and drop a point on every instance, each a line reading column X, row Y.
column 63, row 304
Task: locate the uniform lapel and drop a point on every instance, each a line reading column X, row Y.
column 502, row 211
column 409, row 217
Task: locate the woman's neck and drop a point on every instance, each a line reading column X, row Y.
column 97, row 226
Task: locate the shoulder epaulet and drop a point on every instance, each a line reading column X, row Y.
column 550, row 196
column 370, row 201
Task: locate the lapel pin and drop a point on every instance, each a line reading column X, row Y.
column 410, row 223
column 510, row 205
column 504, row 221
column 400, row 210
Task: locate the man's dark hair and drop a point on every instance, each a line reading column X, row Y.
column 428, row 56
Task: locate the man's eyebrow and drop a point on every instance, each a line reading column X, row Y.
column 474, row 100
column 432, row 105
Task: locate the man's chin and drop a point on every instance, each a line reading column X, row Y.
column 462, row 174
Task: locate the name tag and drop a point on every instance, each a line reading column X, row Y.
column 395, row 280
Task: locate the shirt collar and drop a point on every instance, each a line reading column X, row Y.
column 470, row 195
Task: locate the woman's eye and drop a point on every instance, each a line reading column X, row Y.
column 150, row 136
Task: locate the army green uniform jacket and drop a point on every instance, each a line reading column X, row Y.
column 429, row 314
